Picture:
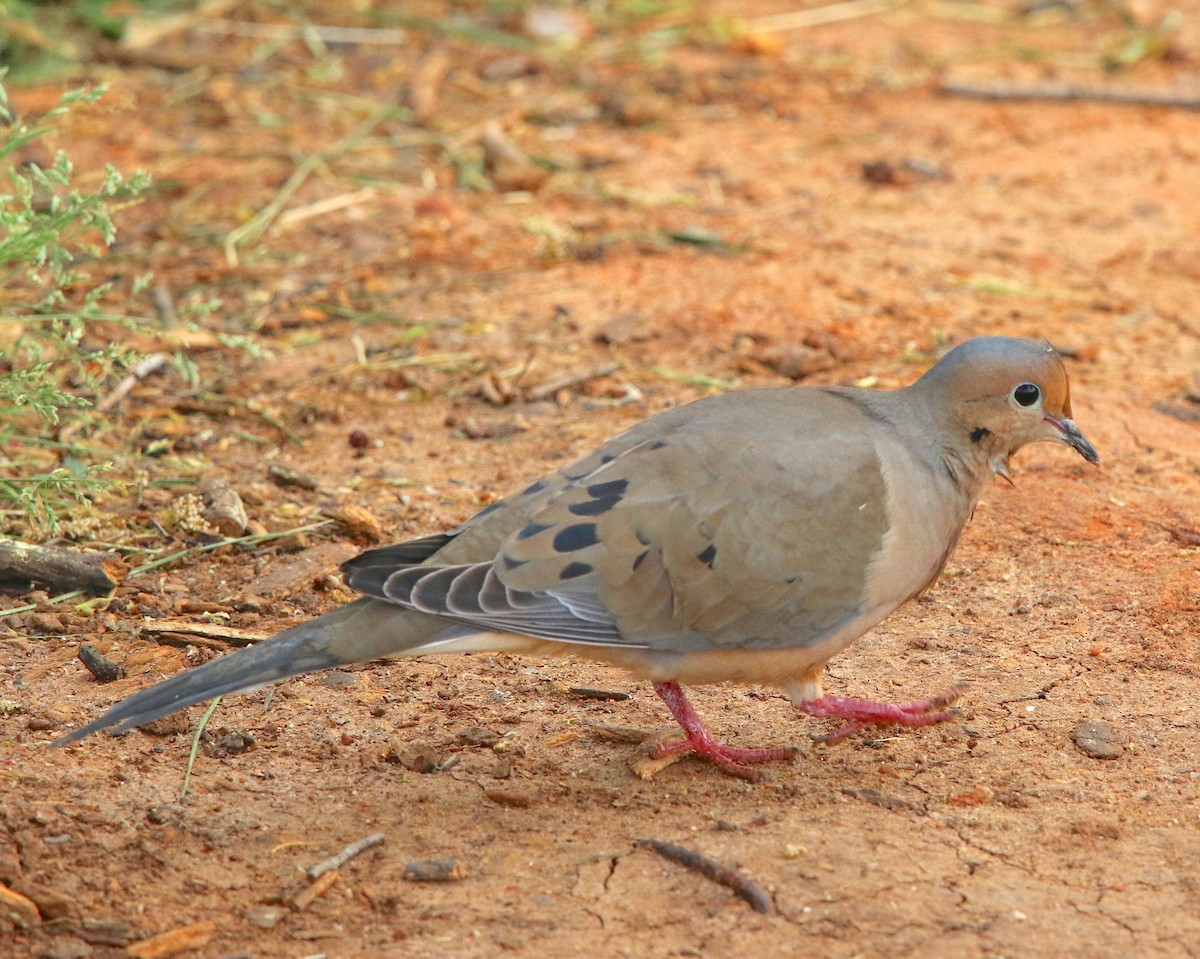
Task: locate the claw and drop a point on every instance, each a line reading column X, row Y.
column 736, row 761
column 864, row 713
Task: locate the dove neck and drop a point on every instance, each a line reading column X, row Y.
column 972, row 456
column 936, row 435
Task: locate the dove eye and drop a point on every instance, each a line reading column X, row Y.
column 1026, row 394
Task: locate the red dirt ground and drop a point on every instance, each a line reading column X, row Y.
column 1074, row 597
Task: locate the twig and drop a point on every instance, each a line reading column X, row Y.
column 59, row 568
column 363, row 36
column 328, row 205
column 567, row 380
column 145, row 32
column 1064, row 92
column 254, row 228
column 99, row 665
column 173, row 942
column 218, row 635
column 187, row 775
column 148, row 366
column 426, row 85
column 833, row 13
column 254, row 540
column 758, row 898
column 305, row 898
column 343, row 857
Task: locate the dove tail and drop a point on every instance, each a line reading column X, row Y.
column 359, row 632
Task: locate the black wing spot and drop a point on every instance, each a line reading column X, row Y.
column 641, row 558
column 594, row 507
column 572, row 538
column 510, row 563
column 642, row 537
column 979, row 433
column 611, row 488
column 707, row 555
column 657, row 445
column 533, row 529
column 534, row 488
column 575, row 570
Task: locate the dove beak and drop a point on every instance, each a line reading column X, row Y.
column 1071, row 435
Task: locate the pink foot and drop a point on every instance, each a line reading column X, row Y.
column 731, row 759
column 864, row 713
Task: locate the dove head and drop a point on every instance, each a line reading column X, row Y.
column 997, row 394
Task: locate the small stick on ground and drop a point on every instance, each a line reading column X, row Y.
column 758, row 898
column 1064, row 92
column 589, row 692
column 147, row 367
column 818, row 16
column 23, row 563
column 305, row 898
column 434, row 870
column 174, row 941
column 208, row 635
column 99, row 665
column 343, row 857
column 426, row 84
column 568, row 380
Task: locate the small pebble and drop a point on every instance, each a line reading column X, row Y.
column 477, row 736
column 434, row 870
column 1100, row 740
column 337, row 679
column 265, row 917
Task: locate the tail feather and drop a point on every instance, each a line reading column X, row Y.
column 364, row 630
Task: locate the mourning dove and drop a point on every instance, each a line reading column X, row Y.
column 746, row 537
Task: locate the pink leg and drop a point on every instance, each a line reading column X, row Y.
column 864, row 713
column 729, row 758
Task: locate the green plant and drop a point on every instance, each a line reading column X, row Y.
column 58, row 344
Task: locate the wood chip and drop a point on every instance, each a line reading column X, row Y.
column 875, row 797
column 17, row 909
column 621, row 734
column 59, row 569
column 507, row 796
column 99, row 665
column 355, row 520
column 104, row 932
column 425, row 88
column 287, row 476
column 290, row 573
column 51, row 903
column 508, row 165
column 623, row 328
column 211, row 635
column 434, row 870
column 647, row 767
column 589, row 692
column 182, row 939
column 224, row 508
column 306, row 897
